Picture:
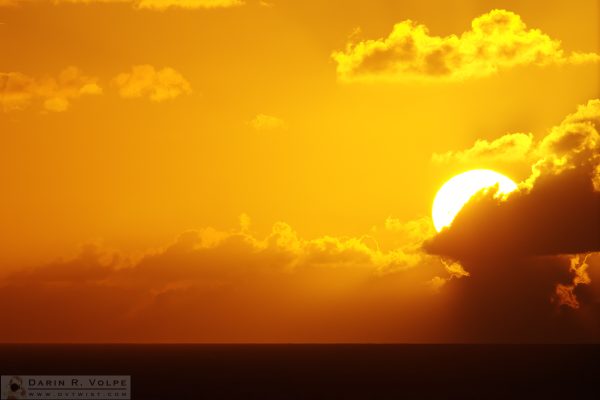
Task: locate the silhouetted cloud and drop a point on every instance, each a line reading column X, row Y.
column 526, row 254
column 561, row 195
column 531, row 222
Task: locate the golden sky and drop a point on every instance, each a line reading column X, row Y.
column 239, row 170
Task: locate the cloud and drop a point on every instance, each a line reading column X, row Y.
column 523, row 269
column 574, row 144
column 561, row 194
column 534, row 247
column 159, row 5
column 19, row 91
column 188, row 4
column 263, row 122
column 530, row 222
column 147, row 81
column 565, row 294
column 509, row 148
column 211, row 285
column 498, row 40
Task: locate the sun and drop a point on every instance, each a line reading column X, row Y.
column 455, row 193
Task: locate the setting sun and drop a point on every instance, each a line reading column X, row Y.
column 455, row 193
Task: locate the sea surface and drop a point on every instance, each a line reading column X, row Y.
column 299, row 371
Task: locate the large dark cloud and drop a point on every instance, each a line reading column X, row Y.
column 515, row 300
column 532, row 257
column 559, row 215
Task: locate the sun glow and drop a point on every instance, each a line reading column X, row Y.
column 455, row 193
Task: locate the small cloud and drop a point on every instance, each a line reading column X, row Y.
column 56, row 104
column 510, row 147
column 413, row 230
column 565, row 294
column 244, row 222
column 186, row 4
column 263, row 122
column 159, row 5
column 18, row 91
column 147, row 81
column 574, row 144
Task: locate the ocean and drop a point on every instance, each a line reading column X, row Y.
column 326, row 371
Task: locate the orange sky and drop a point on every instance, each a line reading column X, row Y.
column 290, row 136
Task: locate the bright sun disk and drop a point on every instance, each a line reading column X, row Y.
column 455, row 193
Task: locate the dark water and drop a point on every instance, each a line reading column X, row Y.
column 324, row 371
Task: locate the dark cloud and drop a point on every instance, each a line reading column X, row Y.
column 531, row 257
column 559, row 215
column 515, row 300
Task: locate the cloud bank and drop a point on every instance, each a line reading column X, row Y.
column 498, row 40
column 524, row 269
column 212, row 285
